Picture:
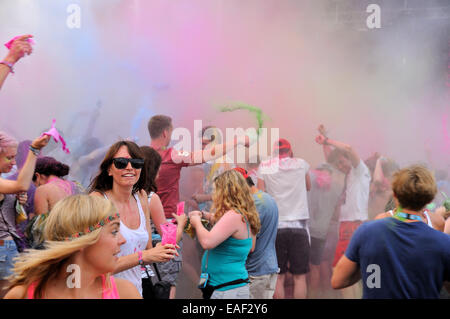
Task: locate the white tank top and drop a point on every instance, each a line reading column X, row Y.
column 426, row 215
column 136, row 240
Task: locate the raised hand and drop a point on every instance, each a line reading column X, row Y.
column 320, row 139
column 40, row 142
column 322, row 130
column 19, row 48
column 181, row 219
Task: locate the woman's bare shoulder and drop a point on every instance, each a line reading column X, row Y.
column 126, row 289
column 17, row 292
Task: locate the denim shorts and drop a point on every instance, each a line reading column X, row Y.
column 8, row 251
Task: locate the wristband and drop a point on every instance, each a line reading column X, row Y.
column 8, row 64
column 35, row 151
column 141, row 261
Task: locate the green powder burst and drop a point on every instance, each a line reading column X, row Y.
column 259, row 115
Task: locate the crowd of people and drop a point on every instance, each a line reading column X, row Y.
column 275, row 229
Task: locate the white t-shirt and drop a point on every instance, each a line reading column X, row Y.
column 356, row 204
column 284, row 179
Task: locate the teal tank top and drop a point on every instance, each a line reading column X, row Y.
column 226, row 262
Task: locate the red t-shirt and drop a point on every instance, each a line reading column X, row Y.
column 169, row 178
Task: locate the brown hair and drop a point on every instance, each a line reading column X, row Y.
column 47, row 166
column 103, row 182
column 334, row 155
column 414, row 187
column 157, row 124
column 232, row 192
column 152, row 163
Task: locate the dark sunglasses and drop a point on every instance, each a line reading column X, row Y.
column 122, row 162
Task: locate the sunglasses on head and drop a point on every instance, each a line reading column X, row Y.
column 122, row 162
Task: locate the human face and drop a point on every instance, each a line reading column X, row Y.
column 127, row 176
column 8, row 159
column 103, row 254
column 343, row 164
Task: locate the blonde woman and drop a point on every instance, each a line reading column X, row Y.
column 83, row 241
column 228, row 243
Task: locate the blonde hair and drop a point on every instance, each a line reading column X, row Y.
column 233, row 193
column 414, row 187
column 70, row 215
column 7, row 141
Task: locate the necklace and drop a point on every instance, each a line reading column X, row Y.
column 402, row 216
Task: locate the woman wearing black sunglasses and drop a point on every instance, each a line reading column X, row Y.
column 122, row 180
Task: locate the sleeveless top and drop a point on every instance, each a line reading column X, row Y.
column 226, row 262
column 136, row 240
column 107, row 293
column 35, row 228
column 425, row 213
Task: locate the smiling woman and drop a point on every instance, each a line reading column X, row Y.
column 83, row 237
column 122, row 180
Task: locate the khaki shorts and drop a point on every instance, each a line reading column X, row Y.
column 235, row 293
column 262, row 287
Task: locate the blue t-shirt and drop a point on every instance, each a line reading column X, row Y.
column 263, row 260
column 399, row 259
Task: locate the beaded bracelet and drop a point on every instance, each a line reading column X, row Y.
column 35, row 151
column 8, row 64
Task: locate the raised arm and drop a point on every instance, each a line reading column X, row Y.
column 326, row 148
column 354, row 157
column 26, row 173
column 217, row 151
column 378, row 176
column 94, row 156
column 19, row 48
